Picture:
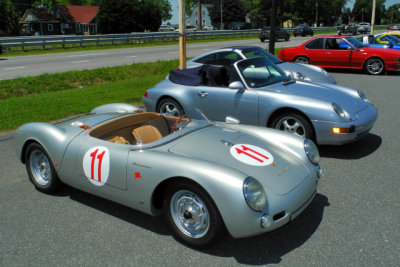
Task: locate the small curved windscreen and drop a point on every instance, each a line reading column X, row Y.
column 260, row 72
column 259, row 52
column 355, row 42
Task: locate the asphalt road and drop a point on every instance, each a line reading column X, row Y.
column 12, row 67
column 353, row 221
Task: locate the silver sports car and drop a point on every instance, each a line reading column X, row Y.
column 204, row 177
column 258, row 92
column 229, row 55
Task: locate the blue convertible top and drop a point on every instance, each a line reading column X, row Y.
column 204, row 75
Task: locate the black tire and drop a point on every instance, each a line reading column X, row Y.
column 312, row 33
column 294, row 123
column 40, row 169
column 170, row 107
column 262, row 40
column 374, row 66
column 185, row 224
column 295, row 35
column 287, row 37
column 302, row 59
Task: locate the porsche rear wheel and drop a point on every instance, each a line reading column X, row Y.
column 374, row 66
column 293, row 123
column 169, row 107
column 192, row 214
column 40, row 169
column 302, row 59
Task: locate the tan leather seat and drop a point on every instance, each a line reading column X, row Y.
column 146, row 134
column 118, row 140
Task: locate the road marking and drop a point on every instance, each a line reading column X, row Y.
column 207, row 49
column 15, row 68
column 174, row 52
column 130, row 56
column 194, row 46
column 82, row 61
column 98, row 54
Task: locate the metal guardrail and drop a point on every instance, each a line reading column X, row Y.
column 81, row 40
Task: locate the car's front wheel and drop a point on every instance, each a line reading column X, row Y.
column 192, row 214
column 40, row 169
column 302, row 59
column 169, row 107
column 262, row 40
column 294, row 123
column 374, row 66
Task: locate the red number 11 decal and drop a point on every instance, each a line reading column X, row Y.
column 100, row 158
column 245, row 148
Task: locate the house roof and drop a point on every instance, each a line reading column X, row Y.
column 82, row 14
column 39, row 14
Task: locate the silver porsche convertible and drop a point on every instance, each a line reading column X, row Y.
column 204, row 177
column 229, row 55
column 258, row 92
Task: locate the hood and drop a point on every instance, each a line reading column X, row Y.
column 347, row 98
column 279, row 173
column 308, row 71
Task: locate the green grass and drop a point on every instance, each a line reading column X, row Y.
column 60, row 104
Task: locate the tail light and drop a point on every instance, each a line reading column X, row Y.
column 146, row 95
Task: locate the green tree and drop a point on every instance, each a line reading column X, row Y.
column 362, row 10
column 392, row 15
column 232, row 11
column 9, row 19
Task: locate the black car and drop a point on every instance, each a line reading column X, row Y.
column 279, row 34
column 303, row 30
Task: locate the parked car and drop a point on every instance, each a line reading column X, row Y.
column 280, row 33
column 241, row 26
column 352, row 28
column 208, row 28
column 166, row 28
column 303, row 30
column 258, row 92
column 390, row 41
column 364, row 27
column 393, row 27
column 189, row 28
column 204, row 177
column 328, row 52
column 229, row 55
column 381, row 38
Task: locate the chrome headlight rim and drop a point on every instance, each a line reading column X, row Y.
column 254, row 194
column 339, row 110
column 311, row 151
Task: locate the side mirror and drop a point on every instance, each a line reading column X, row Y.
column 231, row 120
column 236, row 86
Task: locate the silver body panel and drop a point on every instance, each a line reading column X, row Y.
column 202, row 156
column 257, row 106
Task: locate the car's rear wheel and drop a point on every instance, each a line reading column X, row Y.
column 40, row 169
column 374, row 66
column 192, row 214
column 262, row 40
column 287, row 37
column 169, row 107
column 294, row 123
column 302, row 59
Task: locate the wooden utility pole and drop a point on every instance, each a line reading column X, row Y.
column 182, row 35
column 199, row 24
column 272, row 30
column 373, row 16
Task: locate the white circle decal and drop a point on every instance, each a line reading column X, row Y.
column 96, row 165
column 251, row 155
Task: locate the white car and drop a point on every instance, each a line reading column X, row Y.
column 364, row 27
column 208, row 28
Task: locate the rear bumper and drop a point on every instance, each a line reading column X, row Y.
column 360, row 128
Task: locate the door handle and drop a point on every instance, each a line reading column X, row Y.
column 202, row 94
column 327, row 53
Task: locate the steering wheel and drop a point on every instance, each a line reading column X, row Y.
column 178, row 120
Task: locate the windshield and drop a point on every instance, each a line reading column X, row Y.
column 260, row 72
column 393, row 39
column 259, row 52
column 355, row 43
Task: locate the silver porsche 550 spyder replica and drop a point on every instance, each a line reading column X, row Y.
column 258, row 92
column 204, row 177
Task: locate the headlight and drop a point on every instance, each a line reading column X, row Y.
column 254, row 194
column 363, row 96
column 316, row 68
column 338, row 109
column 311, row 151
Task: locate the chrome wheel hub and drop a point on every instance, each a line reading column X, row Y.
column 375, row 66
column 190, row 214
column 291, row 125
column 40, row 167
column 169, row 109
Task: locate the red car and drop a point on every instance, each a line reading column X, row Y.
column 343, row 52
